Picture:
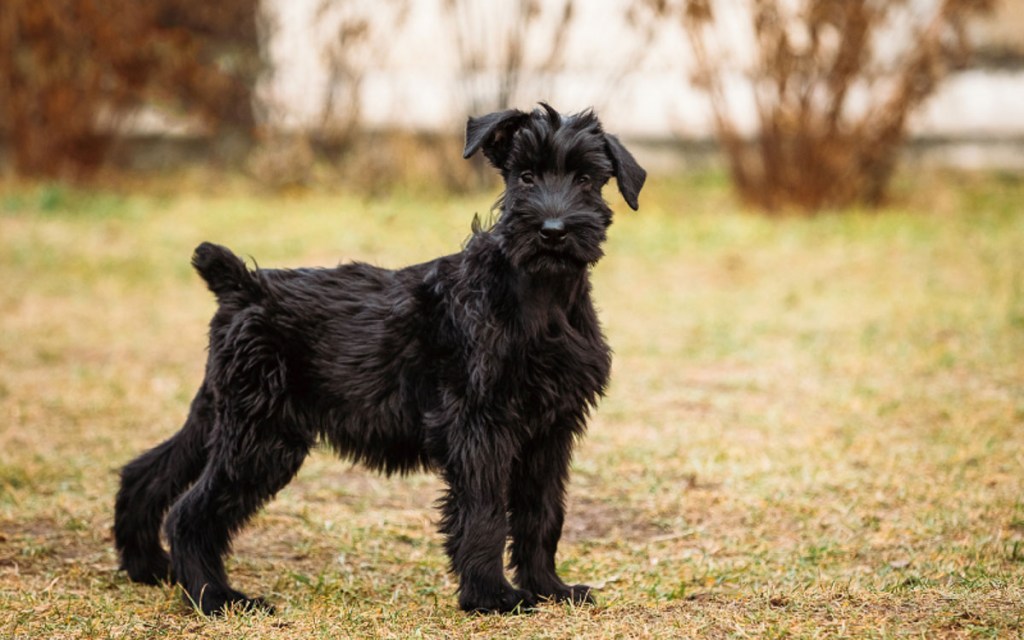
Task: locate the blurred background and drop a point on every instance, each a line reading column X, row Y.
column 815, row 426
column 806, row 103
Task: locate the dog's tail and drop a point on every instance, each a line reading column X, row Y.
column 225, row 274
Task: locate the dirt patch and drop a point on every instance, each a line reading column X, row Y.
column 593, row 519
column 45, row 548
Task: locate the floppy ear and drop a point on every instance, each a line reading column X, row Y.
column 493, row 133
column 628, row 174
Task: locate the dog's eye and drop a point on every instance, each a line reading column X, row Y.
column 526, row 177
column 583, row 179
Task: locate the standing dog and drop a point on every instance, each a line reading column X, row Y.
column 481, row 365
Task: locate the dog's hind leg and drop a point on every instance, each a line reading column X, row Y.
column 150, row 483
column 250, row 464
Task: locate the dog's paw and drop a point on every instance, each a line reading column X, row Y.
column 554, row 590
column 503, row 599
column 577, row 594
column 152, row 570
column 248, row 605
column 218, row 603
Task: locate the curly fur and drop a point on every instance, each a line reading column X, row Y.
column 481, row 366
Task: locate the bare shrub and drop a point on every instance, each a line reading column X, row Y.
column 499, row 43
column 282, row 161
column 70, row 70
column 362, row 33
column 352, row 37
column 493, row 41
column 833, row 82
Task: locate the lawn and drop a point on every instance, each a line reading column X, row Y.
column 815, row 426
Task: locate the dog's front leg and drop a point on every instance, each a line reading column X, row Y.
column 537, row 512
column 475, row 525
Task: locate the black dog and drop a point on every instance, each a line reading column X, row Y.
column 482, row 365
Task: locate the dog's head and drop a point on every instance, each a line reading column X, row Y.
column 552, row 214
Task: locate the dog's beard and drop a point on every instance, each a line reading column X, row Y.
column 533, row 255
column 562, row 260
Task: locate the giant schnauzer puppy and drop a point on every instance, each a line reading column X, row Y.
column 482, row 365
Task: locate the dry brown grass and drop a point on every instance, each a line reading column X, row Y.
column 816, row 426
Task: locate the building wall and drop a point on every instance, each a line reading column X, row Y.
column 412, row 78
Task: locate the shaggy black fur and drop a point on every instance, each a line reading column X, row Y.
column 481, row 365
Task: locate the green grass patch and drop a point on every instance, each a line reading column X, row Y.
column 815, row 426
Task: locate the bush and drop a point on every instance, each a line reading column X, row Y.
column 833, row 81
column 71, row 70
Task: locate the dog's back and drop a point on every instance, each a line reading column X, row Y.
column 313, row 343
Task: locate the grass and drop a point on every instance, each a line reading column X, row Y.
column 815, row 427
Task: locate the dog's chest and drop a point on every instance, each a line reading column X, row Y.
column 557, row 354
column 557, row 370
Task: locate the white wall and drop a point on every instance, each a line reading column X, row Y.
column 640, row 88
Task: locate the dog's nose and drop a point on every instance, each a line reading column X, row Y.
column 553, row 230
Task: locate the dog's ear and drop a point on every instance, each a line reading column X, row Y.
column 493, row 133
column 628, row 174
